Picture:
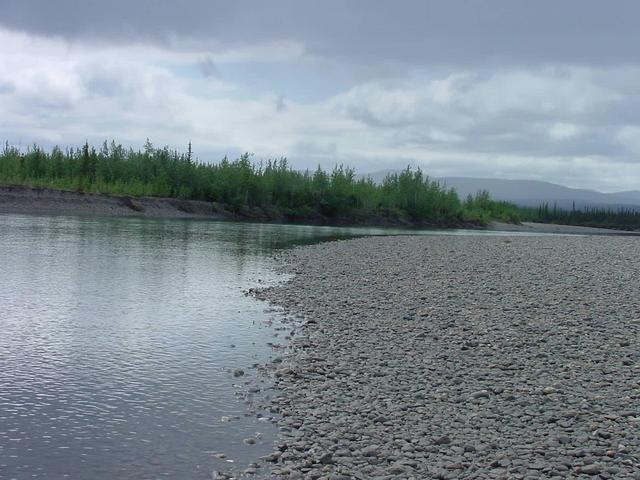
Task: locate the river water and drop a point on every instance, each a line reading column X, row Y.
column 118, row 339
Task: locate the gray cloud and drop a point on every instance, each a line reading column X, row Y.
column 414, row 31
column 281, row 104
column 208, row 68
column 6, row 87
column 507, row 88
column 547, row 112
column 104, row 83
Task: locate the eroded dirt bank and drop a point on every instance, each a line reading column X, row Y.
column 45, row 201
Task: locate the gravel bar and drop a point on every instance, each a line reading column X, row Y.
column 460, row 357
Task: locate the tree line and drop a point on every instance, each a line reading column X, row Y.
column 620, row 218
column 162, row 172
column 339, row 193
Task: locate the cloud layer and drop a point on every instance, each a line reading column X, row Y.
column 349, row 87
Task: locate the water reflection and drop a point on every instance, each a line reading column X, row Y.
column 116, row 338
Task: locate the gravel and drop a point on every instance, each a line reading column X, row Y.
column 460, row 357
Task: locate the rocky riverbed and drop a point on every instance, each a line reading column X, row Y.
column 460, row 357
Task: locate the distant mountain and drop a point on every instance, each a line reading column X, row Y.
column 630, row 195
column 533, row 192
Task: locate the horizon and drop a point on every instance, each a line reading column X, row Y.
column 542, row 92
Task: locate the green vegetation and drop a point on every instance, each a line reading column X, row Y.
column 621, row 219
column 339, row 194
column 482, row 208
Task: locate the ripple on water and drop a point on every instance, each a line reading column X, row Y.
column 116, row 343
column 115, row 350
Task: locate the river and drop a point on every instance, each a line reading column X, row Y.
column 118, row 339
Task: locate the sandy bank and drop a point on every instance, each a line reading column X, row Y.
column 461, row 357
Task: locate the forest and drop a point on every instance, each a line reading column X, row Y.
column 617, row 218
column 161, row 172
column 409, row 195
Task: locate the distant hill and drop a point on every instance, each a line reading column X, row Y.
column 533, row 192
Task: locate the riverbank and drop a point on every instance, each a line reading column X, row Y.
column 45, row 201
column 461, row 357
column 535, row 228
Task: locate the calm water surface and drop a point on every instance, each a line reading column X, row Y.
column 117, row 337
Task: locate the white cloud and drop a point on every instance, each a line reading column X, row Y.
column 555, row 123
column 563, row 131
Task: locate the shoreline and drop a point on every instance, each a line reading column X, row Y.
column 45, row 201
column 459, row 357
column 552, row 228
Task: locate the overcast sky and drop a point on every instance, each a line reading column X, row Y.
column 543, row 89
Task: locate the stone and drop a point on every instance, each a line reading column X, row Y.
column 480, row 394
column 272, row 457
column 373, row 389
column 370, row 451
column 443, row 440
column 592, row 469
